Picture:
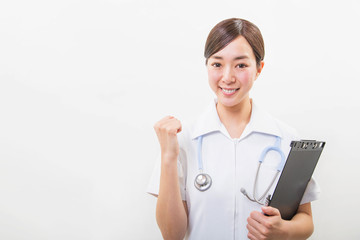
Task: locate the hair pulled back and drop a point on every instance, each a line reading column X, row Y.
column 227, row 30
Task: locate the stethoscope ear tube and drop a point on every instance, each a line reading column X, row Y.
column 199, row 152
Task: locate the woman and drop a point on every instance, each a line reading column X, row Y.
column 232, row 133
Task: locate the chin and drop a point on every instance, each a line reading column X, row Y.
column 227, row 102
column 232, row 102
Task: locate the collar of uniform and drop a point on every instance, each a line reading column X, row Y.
column 260, row 121
column 208, row 122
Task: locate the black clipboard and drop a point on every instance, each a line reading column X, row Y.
column 297, row 172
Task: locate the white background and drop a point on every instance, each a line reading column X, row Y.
column 83, row 82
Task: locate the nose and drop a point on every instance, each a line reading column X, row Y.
column 228, row 76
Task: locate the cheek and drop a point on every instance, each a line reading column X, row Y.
column 214, row 77
column 245, row 77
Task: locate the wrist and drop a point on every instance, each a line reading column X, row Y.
column 286, row 229
column 168, row 159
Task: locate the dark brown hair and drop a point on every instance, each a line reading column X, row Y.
column 227, row 30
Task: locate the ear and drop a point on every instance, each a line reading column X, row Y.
column 259, row 69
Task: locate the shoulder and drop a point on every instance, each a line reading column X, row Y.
column 265, row 122
column 185, row 137
column 185, row 134
column 205, row 122
column 286, row 130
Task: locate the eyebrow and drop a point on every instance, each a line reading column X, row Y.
column 236, row 58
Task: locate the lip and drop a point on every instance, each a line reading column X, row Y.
column 229, row 91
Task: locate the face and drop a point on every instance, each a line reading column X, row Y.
column 232, row 72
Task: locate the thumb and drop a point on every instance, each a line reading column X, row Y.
column 270, row 211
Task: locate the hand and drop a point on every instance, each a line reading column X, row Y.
column 166, row 130
column 266, row 227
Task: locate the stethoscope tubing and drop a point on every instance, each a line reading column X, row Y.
column 199, row 152
column 203, row 181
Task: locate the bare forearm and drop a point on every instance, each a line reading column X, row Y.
column 269, row 225
column 170, row 212
column 301, row 226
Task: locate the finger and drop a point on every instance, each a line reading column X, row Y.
column 255, row 227
column 163, row 120
column 270, row 211
column 253, row 232
column 257, row 216
column 180, row 128
column 168, row 124
column 176, row 124
column 172, row 126
column 159, row 123
column 251, row 237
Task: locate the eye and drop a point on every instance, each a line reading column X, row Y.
column 241, row 65
column 217, row 65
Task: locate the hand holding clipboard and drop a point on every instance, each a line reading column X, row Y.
column 297, row 172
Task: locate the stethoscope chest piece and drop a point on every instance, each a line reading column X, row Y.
column 203, row 182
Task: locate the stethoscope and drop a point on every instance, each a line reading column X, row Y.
column 203, row 181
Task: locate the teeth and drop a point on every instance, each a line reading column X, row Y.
column 228, row 91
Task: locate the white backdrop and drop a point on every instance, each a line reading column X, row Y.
column 83, row 82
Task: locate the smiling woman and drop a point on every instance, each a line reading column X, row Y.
column 232, row 72
column 225, row 142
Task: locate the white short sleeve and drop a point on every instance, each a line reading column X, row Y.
column 312, row 192
column 153, row 185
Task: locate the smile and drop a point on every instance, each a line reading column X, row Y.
column 229, row 91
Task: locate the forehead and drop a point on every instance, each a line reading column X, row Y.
column 238, row 47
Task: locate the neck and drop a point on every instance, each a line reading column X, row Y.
column 235, row 118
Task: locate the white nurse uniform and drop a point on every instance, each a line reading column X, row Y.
column 221, row 212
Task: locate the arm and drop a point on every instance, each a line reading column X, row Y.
column 273, row 227
column 171, row 211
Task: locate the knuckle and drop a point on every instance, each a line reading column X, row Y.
column 266, row 225
column 269, row 225
column 265, row 232
column 170, row 130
